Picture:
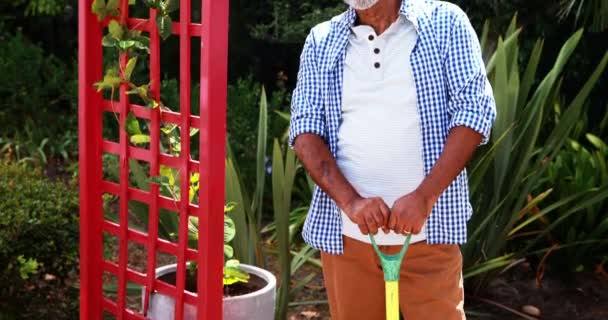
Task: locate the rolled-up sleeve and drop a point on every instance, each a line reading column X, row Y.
column 471, row 100
column 307, row 113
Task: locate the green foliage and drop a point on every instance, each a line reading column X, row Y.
column 35, row 89
column 42, row 7
column 243, row 123
column 38, row 241
column 283, row 175
column 290, row 21
column 504, row 175
column 103, row 8
column 232, row 271
column 593, row 13
column 248, row 215
column 27, row 267
column 582, row 231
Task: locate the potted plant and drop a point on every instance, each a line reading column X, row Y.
column 249, row 291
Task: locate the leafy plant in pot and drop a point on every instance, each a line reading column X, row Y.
column 249, row 291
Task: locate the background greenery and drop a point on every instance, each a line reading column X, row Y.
column 38, row 244
column 549, row 82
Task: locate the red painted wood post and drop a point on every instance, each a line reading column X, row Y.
column 184, row 173
column 154, row 161
column 214, row 61
column 89, row 158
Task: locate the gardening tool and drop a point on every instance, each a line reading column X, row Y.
column 391, row 265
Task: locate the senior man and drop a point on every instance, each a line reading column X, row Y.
column 391, row 101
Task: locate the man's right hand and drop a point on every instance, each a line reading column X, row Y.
column 370, row 214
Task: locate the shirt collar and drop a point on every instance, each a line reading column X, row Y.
column 407, row 9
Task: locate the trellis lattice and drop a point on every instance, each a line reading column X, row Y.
column 213, row 34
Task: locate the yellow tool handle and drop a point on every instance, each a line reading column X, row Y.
column 392, row 300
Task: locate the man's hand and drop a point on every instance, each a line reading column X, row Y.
column 369, row 214
column 410, row 212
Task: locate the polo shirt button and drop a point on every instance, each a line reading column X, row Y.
column 376, row 51
column 371, row 37
column 377, row 65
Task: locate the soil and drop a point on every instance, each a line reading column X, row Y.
column 582, row 296
column 255, row 283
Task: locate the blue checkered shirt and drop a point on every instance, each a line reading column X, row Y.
column 452, row 90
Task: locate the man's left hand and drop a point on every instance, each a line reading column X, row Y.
column 410, row 212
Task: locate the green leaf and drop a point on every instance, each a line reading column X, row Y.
column 486, row 266
column 125, row 45
column 140, row 139
column 115, row 29
column 232, row 263
column 169, row 173
column 229, row 207
column 167, row 128
column 161, row 180
column 141, row 45
column 111, row 80
column 229, row 229
column 234, row 275
column 152, row 104
column 154, row 4
column 194, row 179
column 169, row 6
column 284, row 115
column 140, row 177
column 129, row 68
column 143, row 90
column 234, row 194
column 596, row 142
column 27, row 267
column 108, row 41
column 164, row 26
column 484, row 35
column 132, row 125
column 191, row 194
column 112, row 6
column 132, row 2
column 261, row 157
column 228, row 251
column 508, row 43
column 98, row 7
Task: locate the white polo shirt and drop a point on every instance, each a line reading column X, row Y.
column 379, row 139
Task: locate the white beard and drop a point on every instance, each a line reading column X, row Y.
column 361, row 4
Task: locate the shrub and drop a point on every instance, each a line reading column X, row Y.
column 38, row 245
column 504, row 175
column 36, row 89
column 580, row 232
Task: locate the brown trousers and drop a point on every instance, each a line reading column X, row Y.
column 430, row 287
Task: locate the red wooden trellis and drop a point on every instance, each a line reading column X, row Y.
column 213, row 33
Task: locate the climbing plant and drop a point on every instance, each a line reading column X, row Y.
column 130, row 44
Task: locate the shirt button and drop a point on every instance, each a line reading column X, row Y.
column 377, row 65
column 376, row 51
column 371, row 37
